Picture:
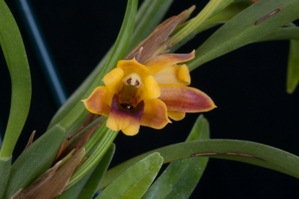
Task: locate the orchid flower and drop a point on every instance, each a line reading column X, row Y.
column 149, row 86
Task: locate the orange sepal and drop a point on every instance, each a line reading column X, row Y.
column 155, row 114
column 98, row 101
column 185, row 99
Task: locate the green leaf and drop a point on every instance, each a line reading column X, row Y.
column 93, row 182
column 284, row 33
column 135, row 180
column 35, row 160
column 237, row 150
column 293, row 66
column 212, row 7
column 16, row 59
column 181, row 177
column 5, row 166
column 255, row 22
column 216, row 19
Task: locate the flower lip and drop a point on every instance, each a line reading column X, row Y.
column 125, row 117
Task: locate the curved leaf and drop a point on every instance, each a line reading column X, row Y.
column 216, row 19
column 91, row 186
column 255, row 22
column 97, row 154
column 5, row 166
column 16, row 59
column 237, row 150
column 135, row 180
column 211, row 8
column 181, row 177
column 35, row 160
column 284, row 33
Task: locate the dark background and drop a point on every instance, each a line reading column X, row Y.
column 247, row 85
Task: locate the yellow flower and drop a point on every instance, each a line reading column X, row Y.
column 149, row 86
column 147, row 94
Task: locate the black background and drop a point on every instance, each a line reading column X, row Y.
column 247, row 85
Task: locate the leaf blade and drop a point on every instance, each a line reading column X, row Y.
column 94, row 180
column 244, row 28
column 253, row 153
column 37, row 156
column 293, row 66
column 181, row 177
column 134, row 182
column 16, row 59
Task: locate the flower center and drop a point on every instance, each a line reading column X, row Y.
column 127, row 95
column 132, row 79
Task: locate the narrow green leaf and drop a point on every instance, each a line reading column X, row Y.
column 293, row 66
column 35, row 160
column 16, row 59
column 255, row 22
column 284, row 33
column 181, row 177
column 212, row 7
column 94, row 158
column 5, row 165
column 216, row 19
column 238, row 150
column 135, row 180
column 93, row 182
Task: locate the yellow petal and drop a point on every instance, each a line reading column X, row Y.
column 131, row 129
column 155, row 114
column 124, row 119
column 185, row 99
column 113, row 79
column 152, row 87
column 132, row 66
column 170, row 75
column 176, row 115
column 159, row 62
column 98, row 102
column 184, row 74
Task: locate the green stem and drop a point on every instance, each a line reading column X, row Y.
column 95, row 157
column 16, row 59
column 209, row 9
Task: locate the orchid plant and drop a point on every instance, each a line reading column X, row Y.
column 140, row 82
